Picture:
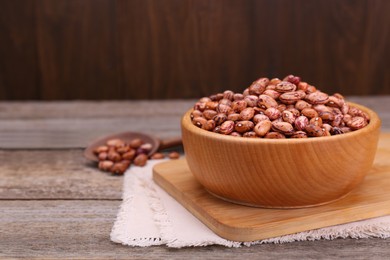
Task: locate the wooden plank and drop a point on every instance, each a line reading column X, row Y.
column 166, row 52
column 94, row 109
column 334, row 68
column 80, row 230
column 78, row 133
column 19, row 68
column 76, row 49
column 54, row 174
column 91, row 49
column 75, row 124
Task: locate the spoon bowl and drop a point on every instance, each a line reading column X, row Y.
column 157, row 144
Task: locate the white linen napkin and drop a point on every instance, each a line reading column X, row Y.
column 149, row 216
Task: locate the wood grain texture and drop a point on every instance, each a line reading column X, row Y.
column 173, row 46
column 57, row 229
column 76, row 49
column 19, row 70
column 54, row 174
column 77, row 228
column 74, row 124
column 241, row 223
column 80, row 230
column 162, row 49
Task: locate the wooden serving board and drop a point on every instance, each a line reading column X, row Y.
column 243, row 223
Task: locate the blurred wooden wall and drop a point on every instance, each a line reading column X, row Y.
column 159, row 49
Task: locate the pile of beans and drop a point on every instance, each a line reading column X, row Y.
column 116, row 156
column 274, row 108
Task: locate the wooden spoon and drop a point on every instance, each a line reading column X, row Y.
column 157, row 144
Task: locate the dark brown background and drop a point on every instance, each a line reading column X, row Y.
column 150, row 49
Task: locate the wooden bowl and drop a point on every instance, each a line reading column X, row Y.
column 280, row 173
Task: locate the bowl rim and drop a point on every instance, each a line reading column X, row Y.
column 374, row 124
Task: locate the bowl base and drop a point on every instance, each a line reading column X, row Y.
column 274, row 206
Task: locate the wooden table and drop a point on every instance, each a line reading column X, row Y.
column 53, row 204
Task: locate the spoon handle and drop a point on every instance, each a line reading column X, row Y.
column 170, row 142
